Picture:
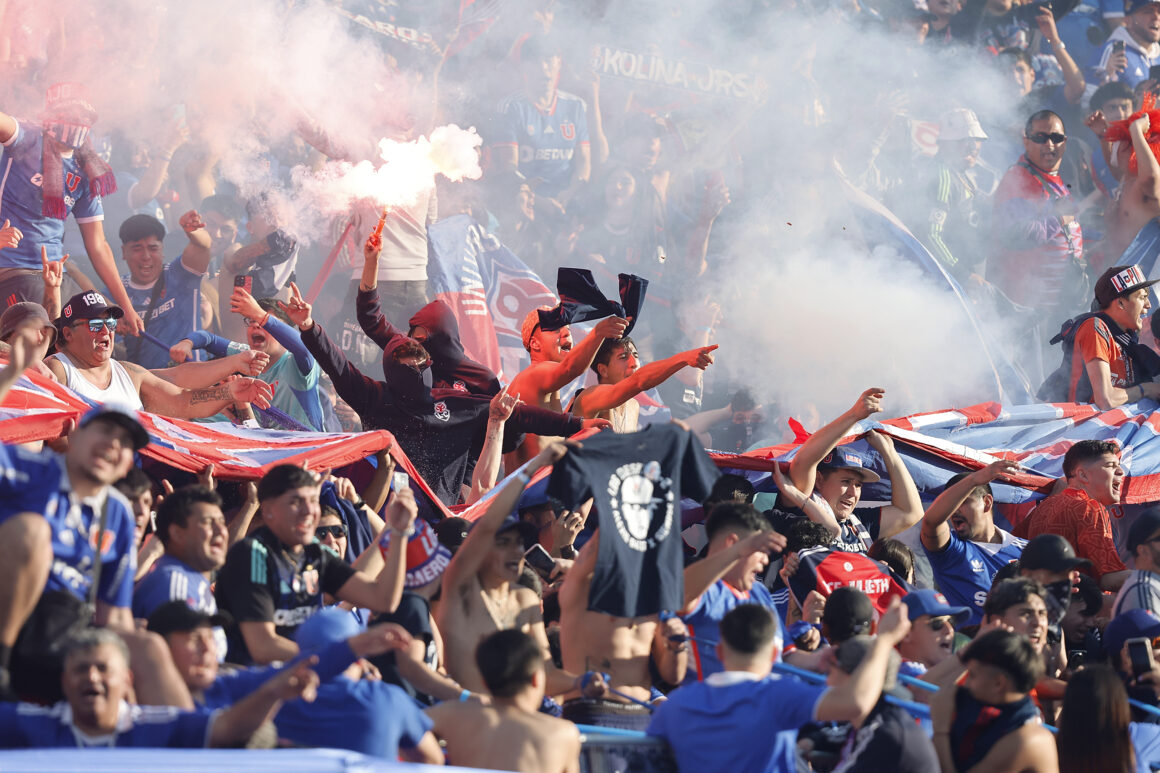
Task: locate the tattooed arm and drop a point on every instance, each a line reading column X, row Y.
column 165, row 399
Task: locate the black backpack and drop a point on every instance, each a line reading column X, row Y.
column 1056, row 387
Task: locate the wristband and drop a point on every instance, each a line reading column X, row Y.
column 358, row 505
column 463, row 696
column 523, row 477
column 407, row 532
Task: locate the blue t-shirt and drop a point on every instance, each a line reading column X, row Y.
column 171, row 580
column 24, row 725
column 743, row 724
column 1146, row 744
column 36, row 482
column 964, row 570
column 704, row 624
column 176, row 314
column 1082, row 23
column 21, row 199
column 548, row 141
column 370, row 717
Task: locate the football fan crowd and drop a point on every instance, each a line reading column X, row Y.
column 143, row 606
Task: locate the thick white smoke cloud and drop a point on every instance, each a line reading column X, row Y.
column 812, row 316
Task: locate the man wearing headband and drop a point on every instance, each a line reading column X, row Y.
column 50, row 171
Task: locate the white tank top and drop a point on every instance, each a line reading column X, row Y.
column 120, row 389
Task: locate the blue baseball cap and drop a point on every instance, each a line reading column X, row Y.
column 841, row 458
column 1131, row 6
column 931, row 602
column 122, row 414
column 1129, row 625
column 324, row 628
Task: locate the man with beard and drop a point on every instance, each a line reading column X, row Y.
column 959, row 536
column 556, row 362
column 1139, row 48
column 1078, row 514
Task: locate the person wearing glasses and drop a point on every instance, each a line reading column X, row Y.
column 930, row 640
column 1036, row 255
column 85, row 364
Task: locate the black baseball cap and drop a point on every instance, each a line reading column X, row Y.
column 88, row 305
column 1119, row 281
column 848, row 613
column 1051, row 552
column 179, row 617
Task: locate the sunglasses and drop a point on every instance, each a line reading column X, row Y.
column 96, row 325
column 938, row 623
column 1041, row 138
column 335, row 531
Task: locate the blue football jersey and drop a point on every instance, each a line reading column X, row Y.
column 175, row 316
column 547, row 141
column 21, row 199
column 37, row 482
column 964, row 570
column 704, row 625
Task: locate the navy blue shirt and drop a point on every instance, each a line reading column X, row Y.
column 25, row 725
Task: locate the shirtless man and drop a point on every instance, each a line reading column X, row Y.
column 85, row 364
column 510, row 734
column 480, row 594
column 594, row 643
column 555, row 364
column 1139, row 200
column 621, row 378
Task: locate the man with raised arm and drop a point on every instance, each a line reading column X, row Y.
column 440, row 429
column 480, row 592
column 835, row 476
column 738, row 719
column 740, row 542
column 959, row 536
column 85, row 365
column 273, row 581
column 622, row 377
column 618, row 648
column 51, row 170
column 556, row 362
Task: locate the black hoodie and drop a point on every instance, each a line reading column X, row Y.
column 441, row 430
column 450, row 366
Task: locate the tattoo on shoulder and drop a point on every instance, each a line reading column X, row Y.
column 211, row 395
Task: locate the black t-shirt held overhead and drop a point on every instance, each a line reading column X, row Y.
column 638, row 480
column 263, row 581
